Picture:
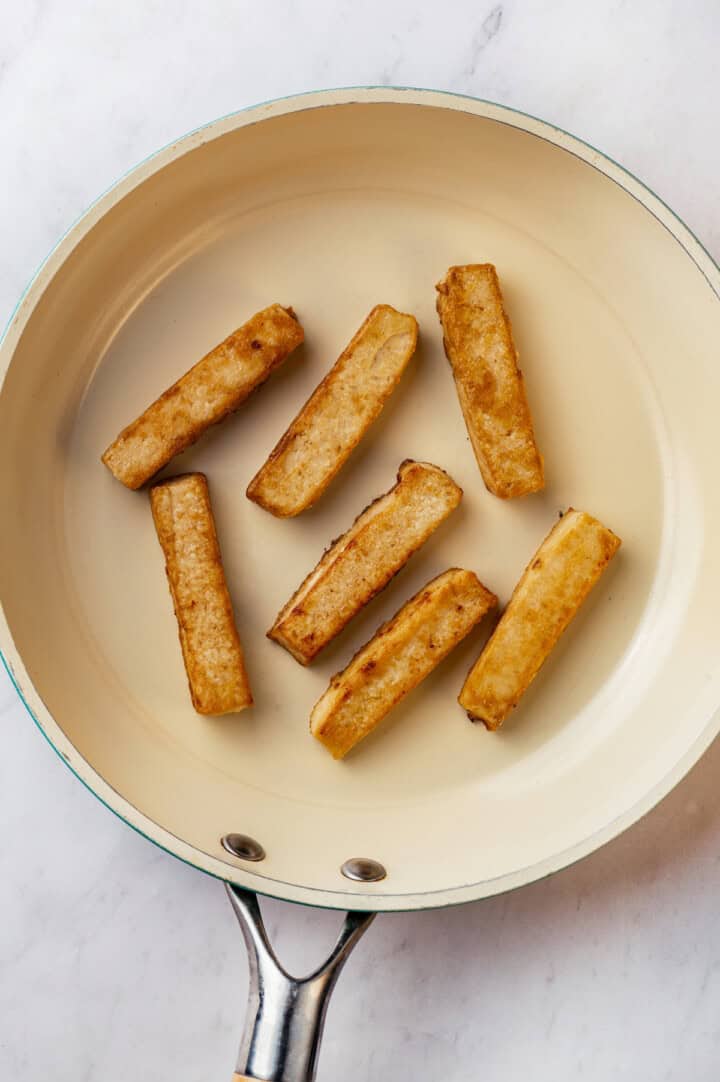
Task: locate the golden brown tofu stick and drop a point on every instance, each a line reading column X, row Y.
column 205, row 395
column 336, row 416
column 402, row 653
column 479, row 345
column 361, row 562
column 553, row 587
column 208, row 636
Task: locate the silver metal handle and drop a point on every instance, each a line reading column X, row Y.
column 285, row 1014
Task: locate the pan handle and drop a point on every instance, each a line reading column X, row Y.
column 285, row 1015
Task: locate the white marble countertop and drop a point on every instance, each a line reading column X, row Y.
column 119, row 964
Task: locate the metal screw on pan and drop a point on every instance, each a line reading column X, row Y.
column 242, row 846
column 363, row 870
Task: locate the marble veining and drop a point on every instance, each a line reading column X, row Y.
column 119, row 963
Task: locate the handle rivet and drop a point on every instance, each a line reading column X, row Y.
column 242, row 846
column 363, row 870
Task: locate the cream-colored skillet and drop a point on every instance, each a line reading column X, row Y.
column 333, row 202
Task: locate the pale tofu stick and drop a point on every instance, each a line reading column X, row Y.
column 554, row 585
column 336, row 416
column 361, row 562
column 479, row 345
column 208, row 636
column 205, row 395
column 402, row 653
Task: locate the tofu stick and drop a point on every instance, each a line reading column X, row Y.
column 337, row 415
column 479, row 345
column 208, row 636
column 402, row 653
column 205, row 395
column 361, row 562
column 554, row 585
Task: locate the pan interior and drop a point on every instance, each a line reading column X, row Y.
column 333, row 210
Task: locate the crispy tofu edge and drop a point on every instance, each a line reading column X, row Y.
column 161, row 514
column 613, row 543
column 520, row 487
column 136, row 477
column 487, row 601
column 282, row 624
column 254, row 489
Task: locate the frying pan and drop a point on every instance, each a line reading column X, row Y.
column 333, row 202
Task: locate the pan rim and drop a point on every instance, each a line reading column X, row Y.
column 366, row 897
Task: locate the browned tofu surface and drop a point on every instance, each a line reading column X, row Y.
column 554, row 585
column 479, row 345
column 208, row 636
column 361, row 562
column 402, row 653
column 336, row 416
column 205, row 395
